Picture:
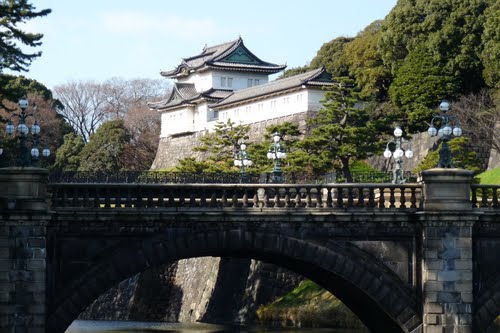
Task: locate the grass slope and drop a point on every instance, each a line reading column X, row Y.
column 490, row 177
column 308, row 305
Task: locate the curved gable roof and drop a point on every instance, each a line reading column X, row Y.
column 232, row 55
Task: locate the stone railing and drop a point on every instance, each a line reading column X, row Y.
column 167, row 196
column 485, row 196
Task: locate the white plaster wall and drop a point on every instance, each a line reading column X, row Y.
column 273, row 107
column 239, row 80
column 177, row 121
column 202, row 81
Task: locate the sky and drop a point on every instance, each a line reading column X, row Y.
column 96, row 40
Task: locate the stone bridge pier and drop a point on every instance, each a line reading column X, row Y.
column 457, row 282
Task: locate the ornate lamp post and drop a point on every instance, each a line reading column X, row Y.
column 276, row 152
column 449, row 126
column 398, row 154
column 28, row 137
column 242, row 160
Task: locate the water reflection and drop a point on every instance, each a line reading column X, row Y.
column 89, row 326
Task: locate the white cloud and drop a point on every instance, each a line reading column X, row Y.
column 140, row 23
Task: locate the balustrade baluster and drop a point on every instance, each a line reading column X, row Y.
column 371, row 197
column 256, row 203
column 350, row 197
column 329, row 198
column 277, row 202
column 224, row 198
column 309, row 203
column 484, row 200
column 192, row 200
column 161, row 198
column 287, row 197
column 402, row 198
column 234, row 199
column 319, row 197
column 340, row 197
column 182, row 197
column 128, row 200
column 474, row 197
column 361, row 197
column 494, row 200
column 149, row 198
column 413, row 198
column 138, row 203
column 381, row 198
column 86, row 201
column 267, row 202
column 244, row 199
column 213, row 199
column 298, row 198
column 203, row 198
column 392, row 199
column 118, row 199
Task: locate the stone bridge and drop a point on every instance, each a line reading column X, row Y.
column 404, row 258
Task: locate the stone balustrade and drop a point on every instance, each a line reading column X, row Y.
column 338, row 196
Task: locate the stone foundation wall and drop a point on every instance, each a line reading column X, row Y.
column 173, row 149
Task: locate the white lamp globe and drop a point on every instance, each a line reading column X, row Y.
column 34, row 152
column 1, row 151
column 432, row 131
column 250, row 162
column 243, row 146
column 23, row 103
column 398, row 153
column 409, row 153
column 440, row 133
column 10, row 128
column 22, row 128
column 270, row 155
column 35, row 129
column 457, row 131
column 387, row 153
column 276, row 138
column 283, row 155
column 398, row 132
column 444, row 106
column 447, row 130
column 46, row 152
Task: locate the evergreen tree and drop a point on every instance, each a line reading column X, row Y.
column 68, row 155
column 104, row 151
column 341, row 131
column 12, row 14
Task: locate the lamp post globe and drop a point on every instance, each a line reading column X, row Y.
column 397, row 154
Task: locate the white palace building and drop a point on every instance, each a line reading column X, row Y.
column 228, row 81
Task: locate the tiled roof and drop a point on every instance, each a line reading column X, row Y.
column 317, row 77
column 186, row 93
column 219, row 56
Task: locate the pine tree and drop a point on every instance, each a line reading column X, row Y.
column 12, row 14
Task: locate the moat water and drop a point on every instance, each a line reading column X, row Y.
column 90, row 326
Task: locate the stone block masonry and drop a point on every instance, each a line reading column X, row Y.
column 173, row 149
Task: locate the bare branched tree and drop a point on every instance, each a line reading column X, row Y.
column 480, row 119
column 84, row 106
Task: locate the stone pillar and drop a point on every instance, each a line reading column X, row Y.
column 447, row 251
column 23, row 226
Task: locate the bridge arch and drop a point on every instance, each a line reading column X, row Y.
column 487, row 307
column 375, row 294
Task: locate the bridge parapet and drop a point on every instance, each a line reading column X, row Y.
column 216, row 196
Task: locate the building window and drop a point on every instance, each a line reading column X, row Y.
column 299, row 98
column 273, row 104
column 260, row 106
column 250, row 82
column 256, row 82
column 222, row 81
column 286, row 100
column 230, row 82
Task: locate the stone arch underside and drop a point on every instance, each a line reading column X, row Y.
column 487, row 307
column 381, row 300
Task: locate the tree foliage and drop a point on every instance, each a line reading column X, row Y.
column 12, row 14
column 68, row 155
column 105, row 149
column 330, row 55
column 341, row 131
column 363, row 59
column 450, row 30
column 490, row 55
column 462, row 156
